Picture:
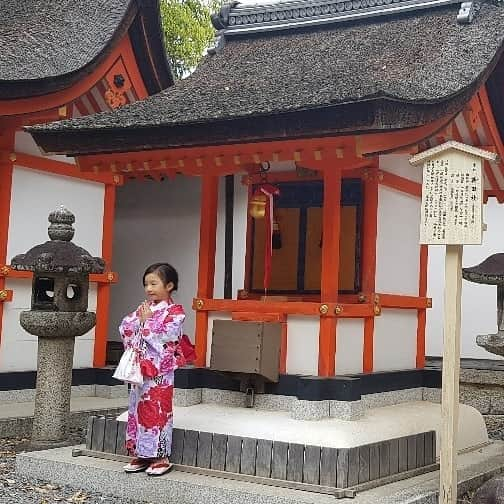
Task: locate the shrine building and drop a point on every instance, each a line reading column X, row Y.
column 315, row 102
column 276, row 179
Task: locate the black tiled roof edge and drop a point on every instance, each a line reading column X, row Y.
column 239, row 19
column 49, row 46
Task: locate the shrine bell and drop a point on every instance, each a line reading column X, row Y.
column 257, row 205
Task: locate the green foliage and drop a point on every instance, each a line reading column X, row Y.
column 187, row 31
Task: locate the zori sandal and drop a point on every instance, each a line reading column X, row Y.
column 137, row 465
column 159, row 468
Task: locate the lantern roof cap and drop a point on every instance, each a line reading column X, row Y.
column 59, row 254
column 490, row 271
column 451, row 145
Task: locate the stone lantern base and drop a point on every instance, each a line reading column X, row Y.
column 52, row 400
column 56, row 332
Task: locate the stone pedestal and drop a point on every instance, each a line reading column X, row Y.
column 54, row 383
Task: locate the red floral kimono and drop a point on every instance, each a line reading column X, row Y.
column 150, row 416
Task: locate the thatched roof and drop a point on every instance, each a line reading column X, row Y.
column 383, row 73
column 47, row 45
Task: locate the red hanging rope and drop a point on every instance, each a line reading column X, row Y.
column 270, row 191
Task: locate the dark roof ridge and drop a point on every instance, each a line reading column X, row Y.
column 240, row 19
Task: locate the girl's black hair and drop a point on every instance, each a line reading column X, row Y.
column 165, row 271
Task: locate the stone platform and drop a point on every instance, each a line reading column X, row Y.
column 328, row 455
column 328, row 470
column 106, row 476
column 377, row 424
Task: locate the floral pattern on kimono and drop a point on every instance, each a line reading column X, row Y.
column 150, row 415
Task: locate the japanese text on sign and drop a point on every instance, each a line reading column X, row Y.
column 452, row 200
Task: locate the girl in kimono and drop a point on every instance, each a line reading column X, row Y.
column 154, row 331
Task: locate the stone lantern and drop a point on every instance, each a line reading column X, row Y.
column 491, row 272
column 58, row 315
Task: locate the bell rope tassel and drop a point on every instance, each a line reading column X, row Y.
column 276, row 238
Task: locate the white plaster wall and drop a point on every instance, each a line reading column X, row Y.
column 302, row 345
column 18, row 349
column 398, row 164
column 160, row 222
column 397, row 248
column 395, row 340
column 479, row 314
column 349, row 346
column 34, row 195
column 211, row 317
column 239, row 234
column 24, row 143
column 155, row 222
column 220, row 245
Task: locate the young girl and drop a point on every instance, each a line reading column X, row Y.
column 154, row 330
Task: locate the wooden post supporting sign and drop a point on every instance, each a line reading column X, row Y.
column 451, row 215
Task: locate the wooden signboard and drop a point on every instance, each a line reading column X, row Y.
column 452, row 200
column 451, row 215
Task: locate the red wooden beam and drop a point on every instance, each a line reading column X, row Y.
column 377, row 143
column 422, row 312
column 400, row 183
column 6, row 145
column 369, row 230
column 256, row 308
column 331, row 224
column 108, row 277
column 335, row 152
column 490, row 125
column 103, row 296
column 409, row 302
column 61, row 168
column 471, row 116
column 206, row 263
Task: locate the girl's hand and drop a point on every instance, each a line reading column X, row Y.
column 145, row 311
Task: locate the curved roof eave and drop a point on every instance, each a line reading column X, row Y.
column 367, row 116
column 130, row 17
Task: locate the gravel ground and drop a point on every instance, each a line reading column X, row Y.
column 16, row 490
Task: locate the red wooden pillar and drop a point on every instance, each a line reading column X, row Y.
column 6, row 167
column 422, row 313
column 206, row 267
column 103, row 295
column 369, row 229
column 331, row 214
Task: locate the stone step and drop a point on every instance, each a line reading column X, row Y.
column 107, row 477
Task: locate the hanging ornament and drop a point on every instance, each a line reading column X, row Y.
column 276, row 238
column 257, row 205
